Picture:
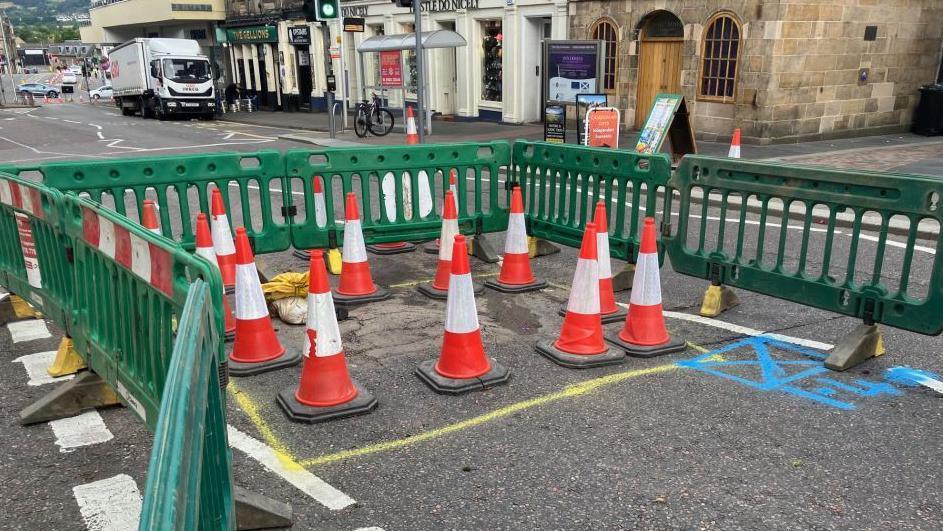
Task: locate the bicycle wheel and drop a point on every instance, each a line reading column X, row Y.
column 382, row 122
column 360, row 124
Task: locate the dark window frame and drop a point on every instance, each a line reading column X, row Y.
column 721, row 44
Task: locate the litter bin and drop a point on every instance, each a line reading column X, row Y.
column 928, row 118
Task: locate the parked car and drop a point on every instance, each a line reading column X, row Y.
column 38, row 89
column 76, row 69
column 69, row 78
column 104, row 92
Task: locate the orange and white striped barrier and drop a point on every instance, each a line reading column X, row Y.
column 222, row 241
column 516, row 275
column 204, row 248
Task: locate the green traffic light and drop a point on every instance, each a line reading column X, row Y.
column 328, row 10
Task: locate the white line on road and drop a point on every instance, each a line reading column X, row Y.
column 369, row 529
column 96, row 126
column 299, row 477
column 737, row 329
column 29, row 330
column 71, row 121
column 100, row 135
column 112, row 504
column 245, row 142
column 36, row 365
column 81, row 430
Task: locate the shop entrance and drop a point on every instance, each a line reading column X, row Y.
column 660, row 47
column 446, row 75
column 303, row 60
column 262, row 87
column 536, row 31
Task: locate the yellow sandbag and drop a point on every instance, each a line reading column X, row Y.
column 286, row 285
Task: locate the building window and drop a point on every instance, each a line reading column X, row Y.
column 198, row 34
column 411, row 75
column 605, row 31
column 719, row 64
column 492, row 67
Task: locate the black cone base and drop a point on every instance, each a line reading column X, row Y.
column 637, row 351
column 363, row 403
column 426, row 372
column 408, row 248
column 290, row 358
column 580, row 361
column 515, row 288
column 304, row 255
column 349, row 301
column 431, row 248
column 441, row 295
column 607, row 318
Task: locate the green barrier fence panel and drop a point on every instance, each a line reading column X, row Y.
column 561, row 184
column 252, row 186
column 729, row 230
column 189, row 481
column 129, row 293
column 399, row 190
column 34, row 252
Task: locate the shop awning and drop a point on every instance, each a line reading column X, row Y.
column 407, row 41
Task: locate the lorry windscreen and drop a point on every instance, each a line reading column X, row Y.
column 187, row 70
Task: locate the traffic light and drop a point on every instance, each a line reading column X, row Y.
column 321, row 10
column 403, row 3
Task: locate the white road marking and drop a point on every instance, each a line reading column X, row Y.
column 244, row 142
column 50, row 117
column 36, row 365
column 81, row 430
column 369, row 529
column 101, row 136
column 28, row 330
column 902, row 245
column 40, row 152
column 112, row 504
column 96, row 126
column 737, row 329
column 71, row 121
column 299, row 477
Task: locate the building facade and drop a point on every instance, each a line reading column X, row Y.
column 780, row 70
column 8, row 55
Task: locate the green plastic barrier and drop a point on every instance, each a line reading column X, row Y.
column 393, row 207
column 561, row 184
column 756, row 256
column 189, row 480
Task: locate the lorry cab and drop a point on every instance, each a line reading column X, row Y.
column 182, row 85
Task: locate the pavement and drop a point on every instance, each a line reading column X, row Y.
column 716, row 437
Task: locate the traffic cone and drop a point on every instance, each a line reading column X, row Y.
column 222, row 241
column 439, row 288
column 356, row 284
column 608, row 309
column 516, row 275
column 320, row 213
column 462, row 365
column 204, row 248
column 644, row 334
column 388, row 197
column 735, row 145
column 149, row 217
column 580, row 344
column 412, row 133
column 256, row 349
column 433, row 248
column 326, row 391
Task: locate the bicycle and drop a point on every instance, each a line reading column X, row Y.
column 373, row 118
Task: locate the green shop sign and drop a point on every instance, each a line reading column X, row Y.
column 252, row 34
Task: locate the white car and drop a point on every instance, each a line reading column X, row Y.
column 104, row 92
column 69, row 78
column 76, row 69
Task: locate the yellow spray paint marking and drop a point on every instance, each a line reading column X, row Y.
column 251, row 410
column 418, row 282
column 558, row 286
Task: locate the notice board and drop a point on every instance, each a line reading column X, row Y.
column 668, row 119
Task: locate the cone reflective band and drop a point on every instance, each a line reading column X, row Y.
column 412, row 134
column 222, row 240
column 320, row 210
column 356, row 283
column 256, row 348
column 388, row 195
column 580, row 343
column 608, row 309
column 462, row 365
column 433, row 248
column 204, row 248
column 735, row 145
column 438, row 288
column 644, row 333
column 326, row 390
column 516, row 275
column 149, row 217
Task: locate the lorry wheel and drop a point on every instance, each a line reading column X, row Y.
column 145, row 111
column 127, row 112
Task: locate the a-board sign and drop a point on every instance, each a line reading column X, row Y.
column 668, row 119
column 354, row 24
column 571, row 68
column 391, row 69
column 583, row 103
column 602, row 127
column 555, row 124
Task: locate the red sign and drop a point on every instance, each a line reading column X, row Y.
column 28, row 244
column 602, row 127
column 391, row 69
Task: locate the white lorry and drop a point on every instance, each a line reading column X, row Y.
column 162, row 78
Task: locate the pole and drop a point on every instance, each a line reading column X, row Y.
column 6, row 53
column 328, row 69
column 420, row 72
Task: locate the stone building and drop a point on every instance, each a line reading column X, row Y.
column 780, row 70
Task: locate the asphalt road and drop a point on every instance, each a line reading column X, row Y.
column 678, row 442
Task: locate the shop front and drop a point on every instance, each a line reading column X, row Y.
column 255, row 63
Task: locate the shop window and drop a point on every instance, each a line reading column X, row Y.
column 605, row 31
column 412, row 75
column 719, row 64
column 492, row 66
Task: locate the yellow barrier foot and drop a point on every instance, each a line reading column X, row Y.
column 254, row 511
column 862, row 344
column 86, row 391
column 67, row 360
column 717, row 300
column 624, row 279
column 14, row 308
column 334, row 261
column 481, row 248
column 538, row 247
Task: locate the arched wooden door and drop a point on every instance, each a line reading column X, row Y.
column 661, row 41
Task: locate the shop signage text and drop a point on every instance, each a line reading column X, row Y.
column 354, row 24
column 299, row 35
column 354, row 11
column 391, row 69
column 254, row 34
column 572, row 68
column 555, row 124
column 440, row 6
column 602, row 127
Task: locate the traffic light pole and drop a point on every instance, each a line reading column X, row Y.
column 420, row 73
column 328, row 69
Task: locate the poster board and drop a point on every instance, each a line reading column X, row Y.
column 668, row 119
column 555, row 124
column 584, row 102
column 602, row 127
column 571, row 68
column 391, row 69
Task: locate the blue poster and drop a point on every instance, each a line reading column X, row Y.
column 572, row 68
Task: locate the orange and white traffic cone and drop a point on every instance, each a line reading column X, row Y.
column 608, row 309
column 326, row 391
column 149, row 217
column 516, row 275
column 320, row 213
column 356, row 283
column 644, row 334
column 439, row 288
column 256, row 349
column 412, row 133
column 462, row 365
column 204, row 248
column 453, row 187
column 734, row 152
column 581, row 344
column 222, row 241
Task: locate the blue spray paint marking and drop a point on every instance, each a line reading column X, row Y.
column 909, row 377
column 774, row 374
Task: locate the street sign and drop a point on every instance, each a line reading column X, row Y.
column 555, row 124
column 391, row 69
column 354, row 24
column 602, row 127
